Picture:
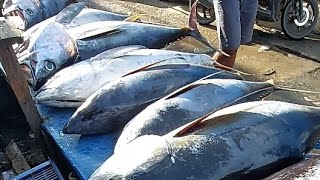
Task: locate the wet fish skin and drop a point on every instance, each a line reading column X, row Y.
column 104, row 111
column 55, row 48
column 71, row 86
column 89, row 47
column 307, row 169
column 230, row 143
column 95, row 37
column 87, row 15
column 189, row 103
column 127, row 33
column 32, row 12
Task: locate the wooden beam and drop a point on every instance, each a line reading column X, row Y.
column 15, row 76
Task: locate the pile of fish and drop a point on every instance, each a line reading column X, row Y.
column 180, row 115
column 226, row 144
column 31, row 12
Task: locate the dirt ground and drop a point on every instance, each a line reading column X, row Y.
column 282, row 63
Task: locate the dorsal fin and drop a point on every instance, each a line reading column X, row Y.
column 189, row 128
column 117, row 52
column 199, row 123
column 150, row 65
column 182, row 90
column 143, row 68
column 190, row 86
column 93, row 29
column 69, row 13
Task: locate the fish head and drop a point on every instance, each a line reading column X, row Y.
column 26, row 12
column 136, row 159
column 50, row 49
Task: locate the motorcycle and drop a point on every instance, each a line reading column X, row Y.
column 298, row 17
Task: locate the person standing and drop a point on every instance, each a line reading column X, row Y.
column 235, row 20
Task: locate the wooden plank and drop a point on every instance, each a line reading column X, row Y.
column 9, row 33
column 17, row 80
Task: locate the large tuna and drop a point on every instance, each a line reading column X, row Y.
column 75, row 15
column 31, row 12
column 116, row 103
column 237, row 142
column 54, row 46
column 192, row 102
column 71, row 86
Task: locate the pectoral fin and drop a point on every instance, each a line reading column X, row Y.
column 93, row 29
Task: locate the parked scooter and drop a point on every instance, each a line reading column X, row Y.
column 298, row 17
column 1, row 4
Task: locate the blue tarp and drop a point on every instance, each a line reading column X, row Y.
column 84, row 153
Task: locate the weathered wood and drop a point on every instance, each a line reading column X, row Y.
column 17, row 80
column 8, row 33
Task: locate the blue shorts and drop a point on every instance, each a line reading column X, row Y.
column 235, row 20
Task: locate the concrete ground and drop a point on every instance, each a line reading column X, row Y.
column 293, row 64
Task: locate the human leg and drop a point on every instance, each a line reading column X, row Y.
column 248, row 13
column 229, row 30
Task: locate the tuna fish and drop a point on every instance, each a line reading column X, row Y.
column 31, row 12
column 71, row 86
column 306, row 169
column 237, row 142
column 76, row 15
column 104, row 111
column 54, row 47
column 192, row 102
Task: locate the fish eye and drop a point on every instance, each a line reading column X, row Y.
column 50, row 66
column 29, row 11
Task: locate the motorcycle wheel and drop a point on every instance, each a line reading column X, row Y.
column 295, row 29
column 205, row 16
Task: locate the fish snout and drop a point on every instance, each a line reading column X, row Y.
column 79, row 123
column 29, row 72
column 15, row 13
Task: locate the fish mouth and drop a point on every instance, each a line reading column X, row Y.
column 15, row 15
column 29, row 72
column 62, row 103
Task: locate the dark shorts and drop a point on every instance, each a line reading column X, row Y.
column 235, row 21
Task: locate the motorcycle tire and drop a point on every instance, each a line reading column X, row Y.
column 292, row 28
column 205, row 16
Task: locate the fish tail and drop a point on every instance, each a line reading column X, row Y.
column 193, row 27
column 192, row 21
column 194, row 32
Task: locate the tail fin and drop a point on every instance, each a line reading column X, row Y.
column 192, row 24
